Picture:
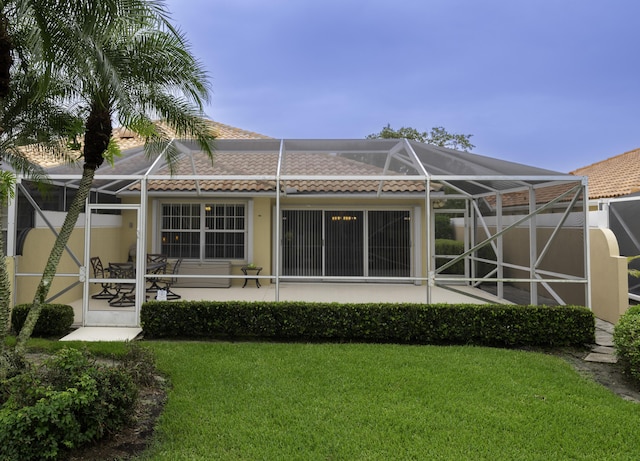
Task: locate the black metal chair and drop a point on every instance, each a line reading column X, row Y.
column 156, row 264
column 165, row 283
column 125, row 292
column 99, row 272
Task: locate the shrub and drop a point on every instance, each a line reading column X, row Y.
column 54, row 320
column 66, row 402
column 450, row 247
column 456, row 247
column 443, row 227
column 499, row 325
column 626, row 338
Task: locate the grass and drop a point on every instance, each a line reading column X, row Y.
column 246, row 401
column 269, row 401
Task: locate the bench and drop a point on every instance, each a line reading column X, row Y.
column 190, row 267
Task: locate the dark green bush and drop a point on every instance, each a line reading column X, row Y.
column 497, row 325
column 443, row 227
column 450, row 247
column 54, row 320
column 626, row 338
column 456, row 247
column 67, row 402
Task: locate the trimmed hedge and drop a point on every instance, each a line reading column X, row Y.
column 456, row 247
column 494, row 325
column 54, row 320
column 626, row 338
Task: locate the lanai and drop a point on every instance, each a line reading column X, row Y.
column 526, row 215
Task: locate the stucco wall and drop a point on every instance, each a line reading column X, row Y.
column 565, row 255
column 106, row 243
column 609, row 281
column 608, row 270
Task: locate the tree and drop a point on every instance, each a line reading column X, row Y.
column 135, row 69
column 438, row 136
column 30, row 115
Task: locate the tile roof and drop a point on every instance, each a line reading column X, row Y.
column 613, row 177
column 265, row 163
column 126, row 140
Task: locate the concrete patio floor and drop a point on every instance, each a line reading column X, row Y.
column 312, row 292
column 317, row 292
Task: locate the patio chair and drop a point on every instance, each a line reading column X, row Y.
column 99, row 272
column 125, row 292
column 165, row 283
column 156, row 264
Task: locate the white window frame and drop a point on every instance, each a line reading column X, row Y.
column 248, row 224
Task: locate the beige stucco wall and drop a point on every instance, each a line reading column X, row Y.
column 609, row 281
column 106, row 243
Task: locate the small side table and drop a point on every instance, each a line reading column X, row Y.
column 248, row 277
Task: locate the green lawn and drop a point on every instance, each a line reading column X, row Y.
column 265, row 401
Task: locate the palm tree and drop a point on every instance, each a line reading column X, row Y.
column 28, row 117
column 135, row 71
column 29, row 30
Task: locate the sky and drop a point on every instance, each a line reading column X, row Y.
column 549, row 83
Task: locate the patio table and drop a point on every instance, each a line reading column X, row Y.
column 246, row 269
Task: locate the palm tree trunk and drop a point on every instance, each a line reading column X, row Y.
column 54, row 258
column 96, row 140
column 6, row 60
column 5, row 294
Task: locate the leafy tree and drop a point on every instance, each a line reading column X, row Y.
column 438, row 136
column 135, row 69
column 30, row 114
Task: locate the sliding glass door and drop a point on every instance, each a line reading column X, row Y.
column 389, row 239
column 343, row 243
column 356, row 243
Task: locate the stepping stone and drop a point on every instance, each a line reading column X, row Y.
column 604, row 350
column 604, row 339
column 605, row 326
column 601, row 358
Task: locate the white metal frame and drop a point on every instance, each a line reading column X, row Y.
column 402, row 151
column 107, row 315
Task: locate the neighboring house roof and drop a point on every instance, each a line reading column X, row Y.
column 127, row 140
column 613, row 177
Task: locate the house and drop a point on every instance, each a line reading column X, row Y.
column 322, row 211
column 614, row 193
column 614, row 177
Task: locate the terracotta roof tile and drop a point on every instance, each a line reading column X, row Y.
column 126, row 140
column 265, row 163
column 613, row 177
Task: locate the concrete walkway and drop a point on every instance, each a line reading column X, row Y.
column 603, row 350
column 95, row 334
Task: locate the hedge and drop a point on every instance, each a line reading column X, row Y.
column 456, row 247
column 626, row 338
column 495, row 325
column 54, row 320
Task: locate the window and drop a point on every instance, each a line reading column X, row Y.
column 204, row 230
